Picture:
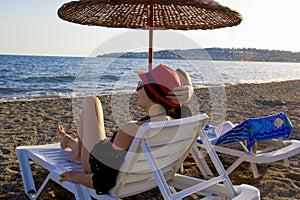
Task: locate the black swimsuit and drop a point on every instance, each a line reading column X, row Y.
column 105, row 163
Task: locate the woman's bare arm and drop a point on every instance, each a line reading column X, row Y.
column 184, row 93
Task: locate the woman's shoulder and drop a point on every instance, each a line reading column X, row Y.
column 129, row 128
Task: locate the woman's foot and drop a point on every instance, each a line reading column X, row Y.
column 75, row 158
column 66, row 140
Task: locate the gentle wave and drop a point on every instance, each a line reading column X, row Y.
column 110, row 77
column 61, row 95
column 72, row 94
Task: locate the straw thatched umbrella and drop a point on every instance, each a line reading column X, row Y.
column 150, row 14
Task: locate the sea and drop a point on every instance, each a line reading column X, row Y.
column 39, row 77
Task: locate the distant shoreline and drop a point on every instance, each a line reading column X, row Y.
column 224, row 54
column 215, row 53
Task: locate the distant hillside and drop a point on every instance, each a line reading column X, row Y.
column 217, row 54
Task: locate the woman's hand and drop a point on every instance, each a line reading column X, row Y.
column 77, row 177
column 181, row 95
column 71, row 176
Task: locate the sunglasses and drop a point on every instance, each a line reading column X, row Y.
column 139, row 86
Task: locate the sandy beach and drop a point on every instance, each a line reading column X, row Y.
column 35, row 122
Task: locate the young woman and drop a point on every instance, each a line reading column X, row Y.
column 102, row 157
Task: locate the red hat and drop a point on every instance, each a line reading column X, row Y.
column 165, row 77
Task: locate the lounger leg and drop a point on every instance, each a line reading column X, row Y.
column 201, row 163
column 234, row 165
column 26, row 172
column 217, row 163
column 254, row 170
column 286, row 160
column 36, row 195
column 27, row 177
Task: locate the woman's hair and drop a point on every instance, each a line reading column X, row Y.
column 174, row 112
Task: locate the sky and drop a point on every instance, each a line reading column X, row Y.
column 32, row 27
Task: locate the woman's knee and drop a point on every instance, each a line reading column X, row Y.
column 91, row 102
column 97, row 102
column 92, row 107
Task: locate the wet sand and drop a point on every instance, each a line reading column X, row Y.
column 34, row 122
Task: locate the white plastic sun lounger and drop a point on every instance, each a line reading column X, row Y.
column 269, row 131
column 153, row 159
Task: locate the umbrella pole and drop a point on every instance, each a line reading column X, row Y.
column 150, row 56
column 150, row 53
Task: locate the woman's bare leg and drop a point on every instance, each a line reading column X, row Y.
column 91, row 129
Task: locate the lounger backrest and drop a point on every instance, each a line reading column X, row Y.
column 259, row 129
column 169, row 142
